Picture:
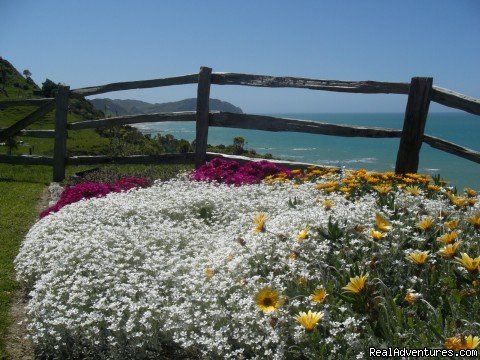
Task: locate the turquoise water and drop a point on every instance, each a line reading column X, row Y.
column 355, row 153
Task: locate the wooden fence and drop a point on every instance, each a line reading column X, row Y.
column 420, row 92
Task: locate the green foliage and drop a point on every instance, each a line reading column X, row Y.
column 293, row 203
column 238, row 144
column 49, row 88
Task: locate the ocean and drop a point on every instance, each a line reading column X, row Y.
column 354, row 153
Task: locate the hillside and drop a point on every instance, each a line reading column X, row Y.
column 117, row 107
column 12, row 84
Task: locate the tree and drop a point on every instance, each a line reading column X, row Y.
column 27, row 73
column 238, row 144
column 49, row 88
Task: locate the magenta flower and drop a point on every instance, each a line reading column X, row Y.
column 232, row 173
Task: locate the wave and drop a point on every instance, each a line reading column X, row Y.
column 369, row 160
column 304, row 149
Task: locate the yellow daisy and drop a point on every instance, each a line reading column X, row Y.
column 377, row 235
column 309, row 320
column 412, row 297
column 327, row 204
column 433, row 187
column 209, row 272
column 456, row 343
column 382, row 189
column 470, row 342
column 259, row 222
column 412, row 190
column 453, row 343
column 418, row 257
column 302, row 235
column 448, row 238
column 356, row 284
column 318, row 295
column 268, row 300
column 469, row 263
column 425, row 224
column 449, row 250
column 381, row 223
column 470, row 192
column 475, row 220
column 458, row 201
column 452, row 224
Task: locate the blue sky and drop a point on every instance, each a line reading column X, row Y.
column 85, row 43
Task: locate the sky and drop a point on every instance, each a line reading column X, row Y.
column 93, row 42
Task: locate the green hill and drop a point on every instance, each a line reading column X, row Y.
column 117, row 107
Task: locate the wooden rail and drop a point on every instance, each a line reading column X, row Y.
column 26, row 159
column 364, row 87
column 142, row 84
column 133, row 159
column 271, row 123
column 36, row 133
column 28, row 120
column 452, row 148
column 420, row 93
column 456, row 100
column 133, row 119
column 24, row 102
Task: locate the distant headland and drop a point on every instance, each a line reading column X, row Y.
column 117, row 107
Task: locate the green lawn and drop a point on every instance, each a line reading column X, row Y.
column 20, row 189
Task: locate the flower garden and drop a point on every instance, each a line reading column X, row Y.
column 254, row 261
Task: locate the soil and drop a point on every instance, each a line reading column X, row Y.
column 18, row 346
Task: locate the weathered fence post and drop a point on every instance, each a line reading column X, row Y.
column 60, row 149
column 414, row 125
column 203, row 108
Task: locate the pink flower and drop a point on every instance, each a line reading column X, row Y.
column 232, row 173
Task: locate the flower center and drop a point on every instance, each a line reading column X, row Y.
column 267, row 302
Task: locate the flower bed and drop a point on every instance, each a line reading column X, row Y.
column 321, row 265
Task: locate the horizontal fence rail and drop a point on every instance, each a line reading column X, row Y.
column 36, row 133
column 141, row 84
column 24, row 102
column 28, row 120
column 271, row 123
column 365, row 87
column 420, row 93
column 26, row 159
column 134, row 119
column 452, row 148
column 133, row 159
column 456, row 100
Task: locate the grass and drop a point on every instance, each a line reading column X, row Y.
column 18, row 210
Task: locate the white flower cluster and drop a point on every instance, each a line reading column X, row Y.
column 126, row 275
